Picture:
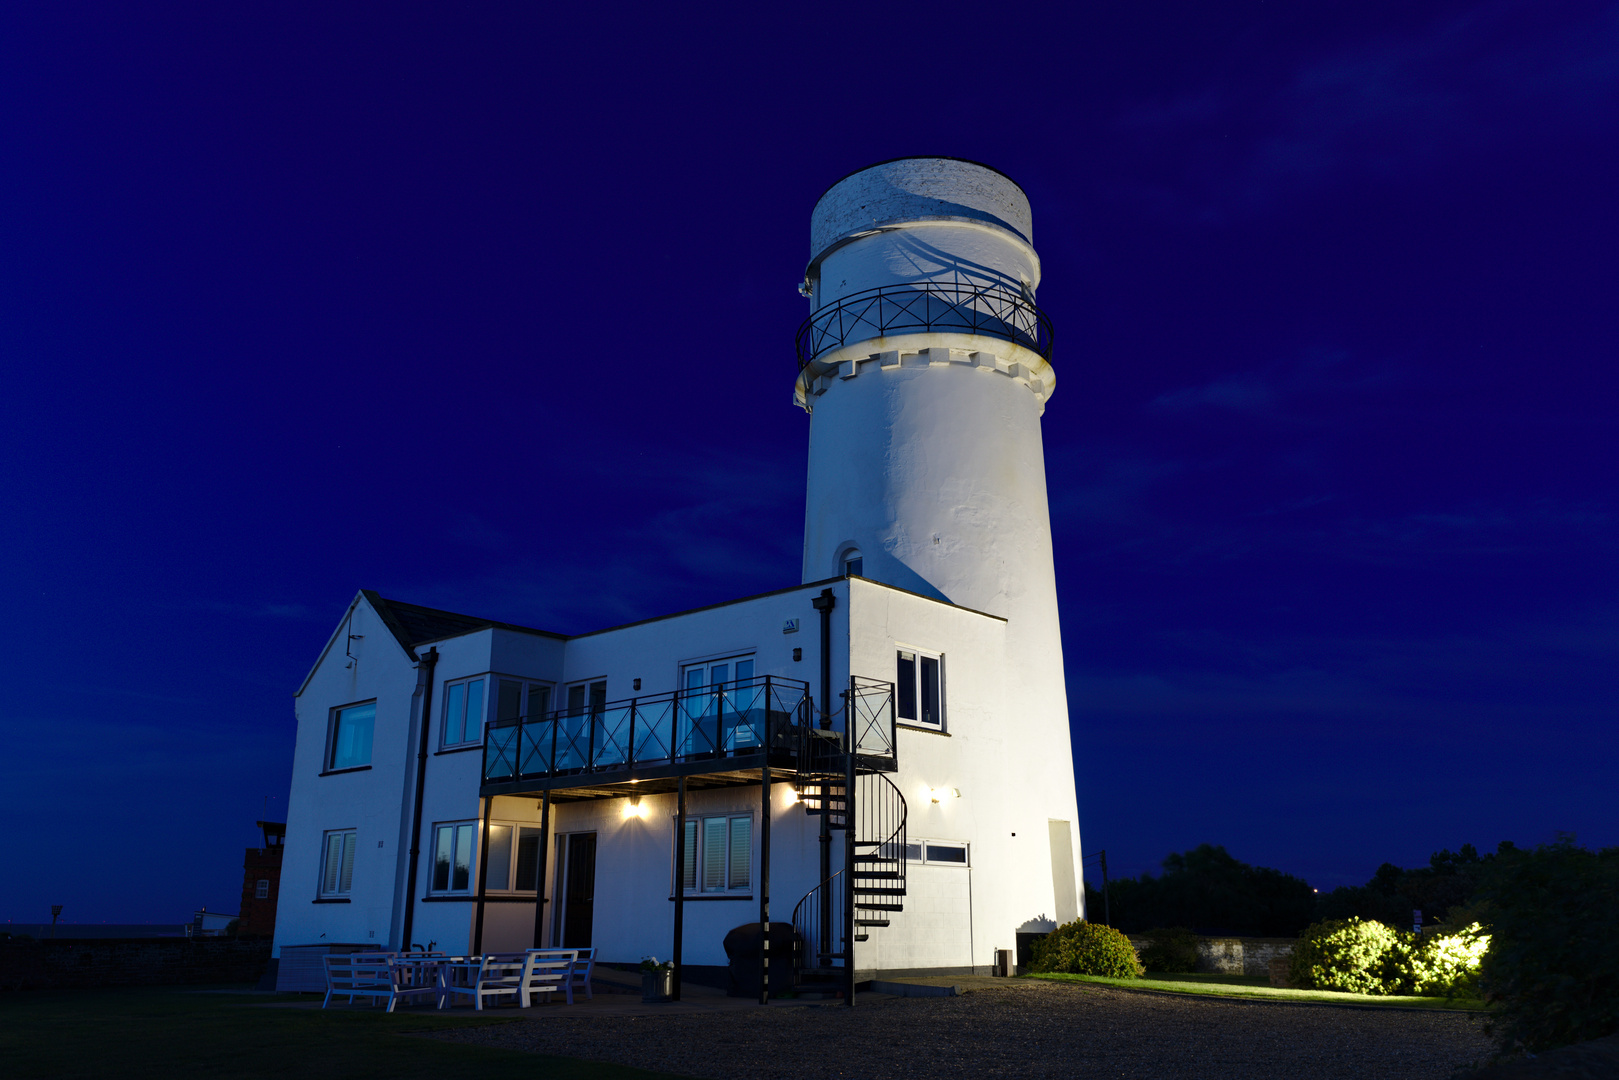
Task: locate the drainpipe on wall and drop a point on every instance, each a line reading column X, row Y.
column 824, row 604
column 430, row 659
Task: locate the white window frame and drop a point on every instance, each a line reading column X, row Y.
column 698, row 829
column 337, row 877
column 458, row 830
column 851, row 555
column 514, row 855
column 917, row 656
column 535, row 697
column 921, row 845
column 334, row 724
column 455, row 695
column 261, row 889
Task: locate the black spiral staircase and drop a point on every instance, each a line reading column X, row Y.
column 852, row 794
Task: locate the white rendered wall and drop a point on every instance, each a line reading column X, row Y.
column 633, row 915
column 1011, row 782
column 453, row 780
column 926, row 456
column 371, row 801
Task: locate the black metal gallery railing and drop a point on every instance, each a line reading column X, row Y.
column 992, row 310
column 707, row 723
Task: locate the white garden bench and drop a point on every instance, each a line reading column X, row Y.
column 522, row 975
column 369, row 975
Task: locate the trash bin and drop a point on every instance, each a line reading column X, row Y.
column 742, row 948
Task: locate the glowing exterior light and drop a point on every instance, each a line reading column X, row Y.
column 633, row 808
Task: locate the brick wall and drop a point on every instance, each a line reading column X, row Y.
column 258, row 916
column 92, row 962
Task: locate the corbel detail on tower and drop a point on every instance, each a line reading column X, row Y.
column 1040, row 380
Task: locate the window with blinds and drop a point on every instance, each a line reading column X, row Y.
column 337, row 875
column 718, row 854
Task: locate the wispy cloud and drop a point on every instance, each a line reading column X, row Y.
column 1384, row 110
column 735, row 528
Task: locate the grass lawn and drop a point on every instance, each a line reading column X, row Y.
column 174, row 1032
column 1258, row 986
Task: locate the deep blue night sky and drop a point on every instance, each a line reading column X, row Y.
column 492, row 309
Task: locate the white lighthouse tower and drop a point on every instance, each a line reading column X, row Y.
column 925, row 367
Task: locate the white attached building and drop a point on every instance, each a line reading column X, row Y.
column 879, row 756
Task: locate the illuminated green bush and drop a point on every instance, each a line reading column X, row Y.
column 1351, row 955
column 1359, row 956
column 1170, row 949
column 1444, row 963
column 1086, row 948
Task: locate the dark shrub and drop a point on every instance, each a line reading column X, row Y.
column 1170, row 949
column 1553, row 963
column 1086, row 948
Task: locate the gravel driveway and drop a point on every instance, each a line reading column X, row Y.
column 1019, row 1029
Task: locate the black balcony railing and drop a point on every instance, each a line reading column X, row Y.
column 997, row 311
column 710, row 723
column 871, row 717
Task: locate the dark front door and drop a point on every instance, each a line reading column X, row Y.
column 579, row 911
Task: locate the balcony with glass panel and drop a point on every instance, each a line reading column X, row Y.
column 722, row 734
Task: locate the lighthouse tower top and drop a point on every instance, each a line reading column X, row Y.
column 914, row 190
column 923, row 260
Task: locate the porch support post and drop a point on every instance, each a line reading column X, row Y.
column 764, row 880
column 680, row 885
column 483, row 878
column 539, row 883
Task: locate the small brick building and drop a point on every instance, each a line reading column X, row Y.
column 261, row 882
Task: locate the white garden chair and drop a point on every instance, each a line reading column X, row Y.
column 369, row 975
column 579, row 976
column 551, row 970
column 493, row 975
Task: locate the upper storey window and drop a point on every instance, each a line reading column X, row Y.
column 465, row 703
column 919, row 688
column 850, row 563
column 351, row 736
column 463, row 712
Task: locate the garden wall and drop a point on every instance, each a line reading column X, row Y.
column 90, row 962
column 1234, row 955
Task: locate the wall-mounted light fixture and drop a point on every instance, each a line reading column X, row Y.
column 938, row 793
column 798, row 654
column 633, row 808
column 638, row 684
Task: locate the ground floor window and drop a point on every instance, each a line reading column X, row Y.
column 514, row 858
column 941, row 852
column 337, row 869
column 718, row 854
column 453, row 845
column 513, row 864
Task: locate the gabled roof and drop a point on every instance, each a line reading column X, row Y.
column 414, row 625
